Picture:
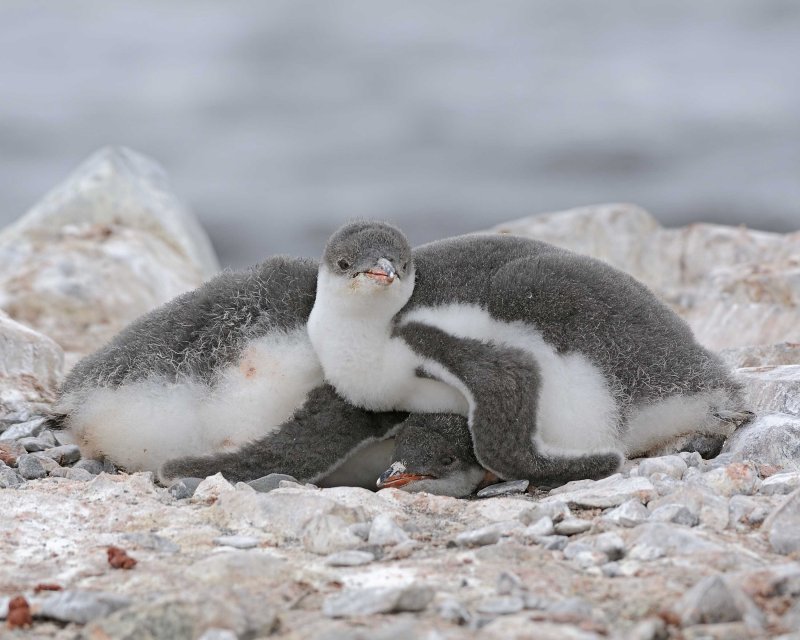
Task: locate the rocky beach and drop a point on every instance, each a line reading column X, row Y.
column 671, row 547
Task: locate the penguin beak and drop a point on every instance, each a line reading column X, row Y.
column 383, row 272
column 396, row 476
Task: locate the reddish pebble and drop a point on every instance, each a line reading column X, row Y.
column 119, row 559
column 19, row 613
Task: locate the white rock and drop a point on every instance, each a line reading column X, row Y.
column 780, row 483
column 761, row 355
column 628, row 514
column 237, row 542
column 608, row 492
column 714, row 600
column 501, row 605
column 772, row 389
column 478, row 537
column 673, row 466
column 361, row 602
column 771, row 439
column 783, row 524
column 677, row 513
column 542, row 527
column 102, row 248
column 733, row 479
column 78, row 606
column 349, row 558
column 326, row 533
column 210, row 489
column 746, row 512
column 572, row 526
column 30, row 370
column 385, row 531
column 654, row 540
column 711, row 507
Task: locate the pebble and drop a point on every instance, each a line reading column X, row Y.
column 80, row 606
column 745, row 512
column 237, row 542
column 770, row 439
column 219, row 634
column 453, row 611
column 733, row 479
column 552, row 543
column 364, row 602
column 478, row 537
column 509, row 583
column 95, row 467
column 783, row 524
column 327, row 533
column 349, row 558
column 33, row 443
column 572, row 526
column 71, row 473
column 10, row 452
column 211, row 488
column 30, row 468
column 714, row 600
column 501, row 605
column 628, row 514
column 654, row 540
column 692, row 459
column 64, row 454
column 542, row 527
column 504, row 488
column 676, row 513
column 184, row 488
column 780, row 483
column 385, row 531
column 608, row 492
column 610, row 544
column 151, row 542
column 9, row 478
column 272, row 481
column 673, row 466
column 23, row 430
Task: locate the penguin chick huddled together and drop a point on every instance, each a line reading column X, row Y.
column 434, row 453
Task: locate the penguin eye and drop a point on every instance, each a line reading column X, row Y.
column 405, row 266
column 343, row 264
column 447, row 460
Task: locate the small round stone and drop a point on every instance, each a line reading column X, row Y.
column 30, row 467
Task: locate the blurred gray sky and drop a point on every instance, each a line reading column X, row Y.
column 279, row 120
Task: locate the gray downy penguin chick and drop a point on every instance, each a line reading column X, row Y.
column 434, row 453
column 210, row 380
column 561, row 363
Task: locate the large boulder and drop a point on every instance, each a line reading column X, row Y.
column 30, row 370
column 108, row 244
column 734, row 285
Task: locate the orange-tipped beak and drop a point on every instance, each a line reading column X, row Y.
column 390, row 479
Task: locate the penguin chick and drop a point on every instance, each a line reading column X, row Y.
column 434, row 453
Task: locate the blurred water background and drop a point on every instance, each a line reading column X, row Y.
column 279, row 120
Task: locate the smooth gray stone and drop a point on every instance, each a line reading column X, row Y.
column 677, row 513
column 64, row 454
column 714, row 600
column 364, row 602
column 9, row 478
column 95, row 467
column 552, row 543
column 628, row 514
column 49, row 437
column 218, row 634
column 30, row 467
column 32, row 443
column 501, row 605
column 385, row 531
column 80, row 606
column 504, row 488
column 478, row 537
column 509, row 583
column 453, row 611
column 184, row 488
column 780, row 483
column 23, row 430
column 267, row 483
column 572, row 526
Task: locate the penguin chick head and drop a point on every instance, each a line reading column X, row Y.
column 434, row 453
column 371, row 261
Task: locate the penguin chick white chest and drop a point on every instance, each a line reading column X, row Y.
column 351, row 334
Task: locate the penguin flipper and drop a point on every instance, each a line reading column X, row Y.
column 502, row 387
column 313, row 442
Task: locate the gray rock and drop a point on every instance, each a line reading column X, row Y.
column 267, row 483
column 50, row 438
column 761, row 355
column 79, row 606
column 572, row 526
column 360, row 529
column 385, row 531
column 504, row 488
column 478, row 537
column 650, row 629
column 770, row 439
column 673, row 466
column 95, row 467
column 610, row 544
column 501, row 605
column 64, row 454
column 46, row 461
column 26, row 429
column 542, row 527
column 677, row 513
column 237, row 542
column 783, row 524
column 571, row 609
column 349, row 558
column 701, row 500
column 364, row 602
column 9, row 478
column 35, row 444
column 552, row 543
column 30, row 468
column 691, row 458
column 780, row 483
column 72, row 474
column 509, row 583
column 714, row 600
column 184, row 488
column 453, row 611
column 219, row 634
column 772, row 388
column 628, row 514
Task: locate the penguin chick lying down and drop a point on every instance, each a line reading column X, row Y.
column 434, row 453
